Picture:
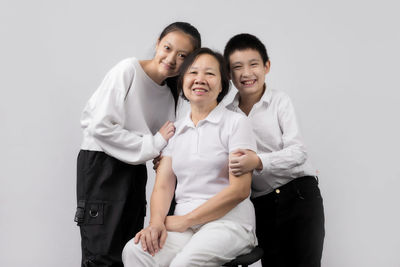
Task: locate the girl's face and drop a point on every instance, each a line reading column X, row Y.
column 171, row 50
column 202, row 81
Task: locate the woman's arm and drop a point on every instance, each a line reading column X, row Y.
column 215, row 207
column 153, row 237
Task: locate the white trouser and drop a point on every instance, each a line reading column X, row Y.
column 212, row 244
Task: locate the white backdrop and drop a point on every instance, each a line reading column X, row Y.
column 338, row 60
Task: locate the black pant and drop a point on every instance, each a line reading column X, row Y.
column 290, row 224
column 111, row 206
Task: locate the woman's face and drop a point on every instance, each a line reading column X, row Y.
column 202, row 81
column 171, row 50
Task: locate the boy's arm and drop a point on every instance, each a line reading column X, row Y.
column 282, row 162
column 293, row 154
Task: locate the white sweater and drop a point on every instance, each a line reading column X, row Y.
column 124, row 121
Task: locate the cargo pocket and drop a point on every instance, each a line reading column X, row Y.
column 89, row 213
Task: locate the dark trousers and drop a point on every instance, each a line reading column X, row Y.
column 290, row 224
column 111, row 206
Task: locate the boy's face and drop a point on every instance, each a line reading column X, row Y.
column 248, row 71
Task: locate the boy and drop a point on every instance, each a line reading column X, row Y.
column 285, row 193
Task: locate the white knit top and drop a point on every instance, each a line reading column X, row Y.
column 123, row 116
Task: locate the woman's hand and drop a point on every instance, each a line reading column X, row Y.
column 152, row 237
column 167, row 130
column 243, row 161
column 177, row 223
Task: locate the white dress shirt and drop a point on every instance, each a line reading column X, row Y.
column 279, row 143
column 123, row 116
column 200, row 157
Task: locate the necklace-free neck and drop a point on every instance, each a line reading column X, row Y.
column 200, row 112
column 246, row 102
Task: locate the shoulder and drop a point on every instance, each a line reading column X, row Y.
column 232, row 115
column 234, row 119
column 279, row 95
column 128, row 65
column 280, row 98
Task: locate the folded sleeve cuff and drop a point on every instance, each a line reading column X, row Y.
column 265, row 162
column 159, row 141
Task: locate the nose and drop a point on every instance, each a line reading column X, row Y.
column 171, row 59
column 199, row 79
column 246, row 71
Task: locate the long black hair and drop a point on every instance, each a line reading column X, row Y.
column 190, row 30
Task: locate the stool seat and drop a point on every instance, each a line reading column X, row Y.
column 246, row 259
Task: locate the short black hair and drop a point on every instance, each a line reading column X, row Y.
column 245, row 41
column 222, row 69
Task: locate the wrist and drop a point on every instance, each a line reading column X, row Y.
column 188, row 220
column 156, row 221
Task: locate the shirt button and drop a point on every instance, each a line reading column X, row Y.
column 277, row 191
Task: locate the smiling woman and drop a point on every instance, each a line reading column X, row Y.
column 213, row 221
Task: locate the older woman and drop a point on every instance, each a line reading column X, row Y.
column 213, row 220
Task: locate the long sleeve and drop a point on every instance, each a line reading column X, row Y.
column 293, row 153
column 108, row 119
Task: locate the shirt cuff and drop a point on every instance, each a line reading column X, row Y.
column 265, row 162
column 159, row 142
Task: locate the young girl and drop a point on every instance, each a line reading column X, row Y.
column 126, row 122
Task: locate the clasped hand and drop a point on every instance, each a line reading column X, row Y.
column 242, row 161
column 153, row 237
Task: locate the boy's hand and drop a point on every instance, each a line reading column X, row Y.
column 244, row 161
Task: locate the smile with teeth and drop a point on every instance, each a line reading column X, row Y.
column 248, row 82
column 200, row 90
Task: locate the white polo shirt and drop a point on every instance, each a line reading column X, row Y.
column 200, row 160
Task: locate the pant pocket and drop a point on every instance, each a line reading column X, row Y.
column 89, row 213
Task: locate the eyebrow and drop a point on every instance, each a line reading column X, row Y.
column 208, row 68
column 169, row 44
column 251, row 60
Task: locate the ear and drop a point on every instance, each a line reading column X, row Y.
column 267, row 66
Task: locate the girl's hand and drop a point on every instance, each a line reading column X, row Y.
column 152, row 238
column 156, row 162
column 176, row 223
column 167, row 130
column 244, row 161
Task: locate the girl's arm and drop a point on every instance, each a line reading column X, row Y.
column 104, row 117
column 153, row 237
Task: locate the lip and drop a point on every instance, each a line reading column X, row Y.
column 248, row 83
column 167, row 66
column 199, row 91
